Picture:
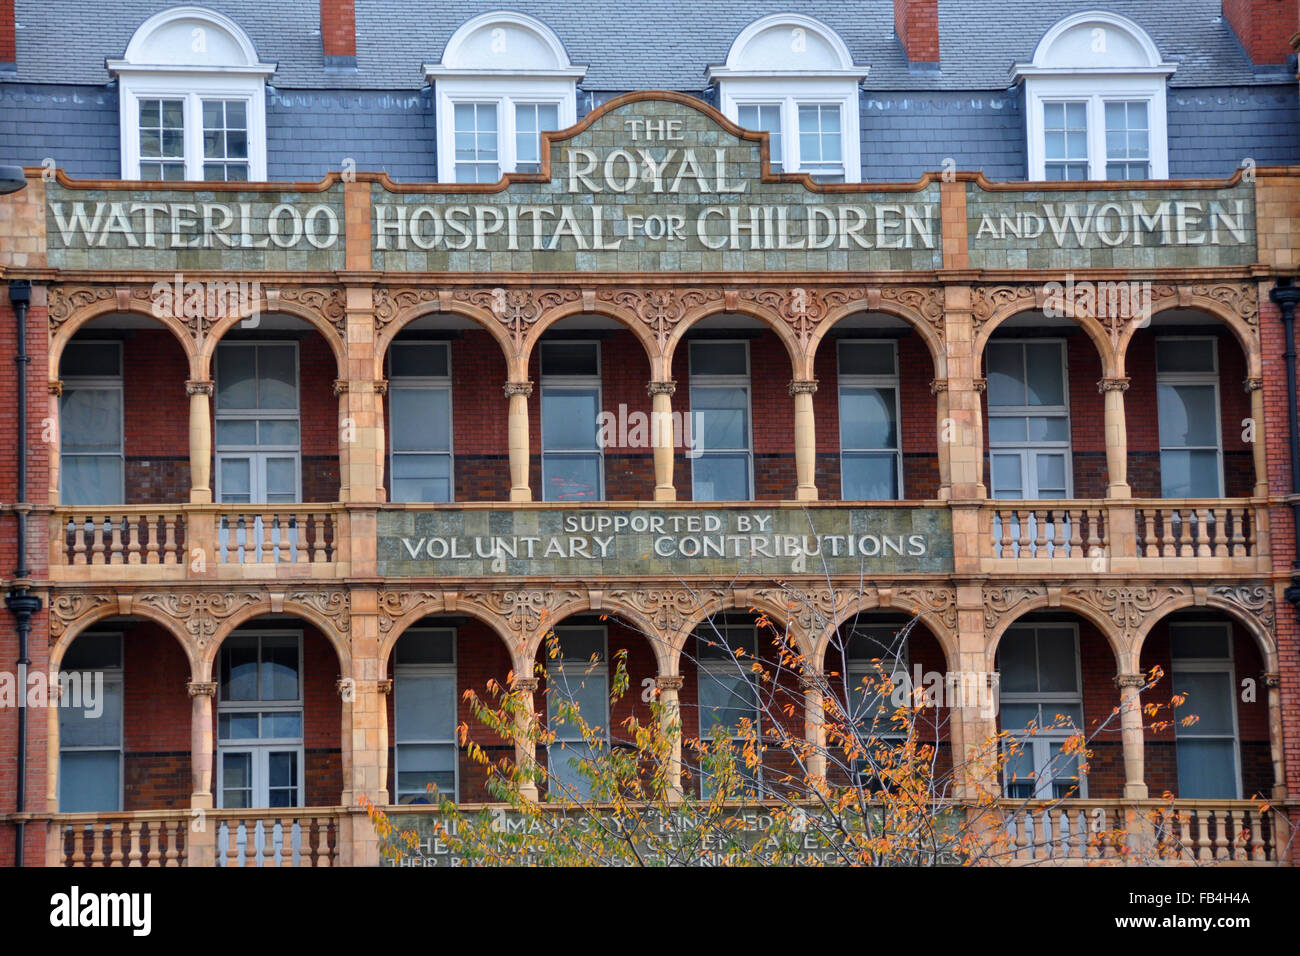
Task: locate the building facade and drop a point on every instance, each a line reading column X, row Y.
column 370, row 343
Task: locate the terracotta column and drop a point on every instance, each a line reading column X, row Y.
column 661, row 430
column 53, row 447
column 1274, row 684
column 201, row 837
column 670, row 686
column 517, row 439
column 939, row 389
column 200, row 393
column 525, row 751
column 1255, row 386
column 805, row 439
column 1130, row 728
column 1116, row 437
column 814, row 724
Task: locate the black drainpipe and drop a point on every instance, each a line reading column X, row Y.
column 1285, row 296
column 22, row 603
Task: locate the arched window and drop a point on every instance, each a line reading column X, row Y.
column 193, row 99
column 793, row 76
column 504, row 78
column 1095, row 101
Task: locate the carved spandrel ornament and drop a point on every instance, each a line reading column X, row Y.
column 522, row 610
column 668, row 609
column 517, row 309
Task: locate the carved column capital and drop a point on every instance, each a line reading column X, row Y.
column 199, row 387
column 979, row 384
column 1112, row 385
column 384, row 686
column 661, row 388
column 205, row 688
column 669, row 682
column 56, row 387
column 803, row 386
column 518, row 388
column 938, row 385
column 1253, row 384
column 1272, row 680
column 1130, row 680
column 526, row 683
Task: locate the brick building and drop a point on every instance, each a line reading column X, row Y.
column 345, row 321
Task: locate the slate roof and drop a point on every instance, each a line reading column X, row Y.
column 633, row 44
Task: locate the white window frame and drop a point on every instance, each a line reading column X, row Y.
column 1027, row 451
column 424, row 382
column 192, row 91
column 152, row 69
column 872, row 381
column 261, row 748
column 502, row 76
column 1105, row 72
column 111, row 675
column 707, row 668
column 789, row 94
column 104, row 383
column 1038, row 747
column 750, row 79
column 706, row 380
column 1209, row 665
column 427, row 670
column 1194, row 378
column 576, row 672
column 574, row 382
column 258, row 453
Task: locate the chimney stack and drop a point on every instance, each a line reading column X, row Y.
column 1264, row 28
column 338, row 33
column 916, row 22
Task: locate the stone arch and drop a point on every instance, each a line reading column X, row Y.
column 664, row 651
column 144, row 611
column 112, row 305
column 734, row 600
column 1245, row 333
column 591, row 306
column 432, row 605
column 1257, row 629
column 264, row 607
column 319, row 318
column 943, row 634
column 1111, row 360
column 873, row 303
column 405, row 314
column 1120, row 644
column 769, row 317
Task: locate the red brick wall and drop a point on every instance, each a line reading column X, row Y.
column 1263, row 27
column 8, row 38
column 317, row 370
column 156, row 411
column 916, row 23
column 338, row 27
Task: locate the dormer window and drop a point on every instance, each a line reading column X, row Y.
column 1095, row 101
column 503, row 80
column 792, row 77
column 192, row 100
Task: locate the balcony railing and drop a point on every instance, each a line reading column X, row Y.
column 1130, row 535
column 163, row 838
column 134, row 542
column 1144, row 832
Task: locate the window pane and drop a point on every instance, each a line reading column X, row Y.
column 94, row 652
column 421, row 419
column 236, row 376
column 718, row 477
column 1017, row 663
column 1003, row 428
column 277, row 378
column 726, row 697
column 280, row 668
column 1189, row 474
column 869, row 477
column 238, row 726
column 237, row 780
column 424, row 764
column 1007, row 476
column 589, row 691
column 1044, row 429
column 89, row 782
column 236, row 432
column 1205, row 641
column 866, row 358
column 569, row 418
column 281, row 480
column 421, row 477
column 719, row 358
column 426, row 647
column 722, row 415
column 1188, row 416
column 91, row 420
column 580, row 644
column 1209, row 699
column 867, row 418
column 1051, row 476
column 282, row 725
column 424, row 708
column 91, row 480
column 239, row 668
column 97, row 720
column 1005, row 366
column 1045, row 380
column 571, row 477
column 1185, row 355
column 101, row 360
column 1206, row 769
column 1058, row 670
column 570, row 358
column 428, row 361
column 278, row 432
column 236, row 479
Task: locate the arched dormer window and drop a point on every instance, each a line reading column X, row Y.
column 193, row 99
column 504, row 78
column 1095, row 101
column 793, row 76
